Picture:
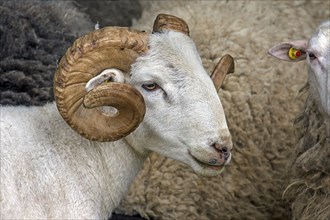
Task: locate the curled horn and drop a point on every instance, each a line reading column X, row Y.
column 170, row 22
column 110, row 47
column 225, row 65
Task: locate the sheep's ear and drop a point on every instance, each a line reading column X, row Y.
column 293, row 51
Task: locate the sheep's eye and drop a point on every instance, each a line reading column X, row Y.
column 150, row 86
column 311, row 56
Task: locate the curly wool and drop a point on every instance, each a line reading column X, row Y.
column 260, row 101
column 111, row 12
column 309, row 188
column 31, row 44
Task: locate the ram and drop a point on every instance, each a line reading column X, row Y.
column 309, row 189
column 260, row 100
column 126, row 93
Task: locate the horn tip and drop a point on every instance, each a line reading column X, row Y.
column 170, row 22
column 231, row 61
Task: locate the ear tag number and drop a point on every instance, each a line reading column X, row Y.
column 294, row 53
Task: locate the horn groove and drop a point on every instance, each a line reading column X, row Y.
column 110, row 47
column 170, row 22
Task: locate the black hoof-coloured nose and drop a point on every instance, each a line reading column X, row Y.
column 222, row 149
column 225, row 152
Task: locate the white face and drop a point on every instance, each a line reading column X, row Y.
column 184, row 117
column 318, row 58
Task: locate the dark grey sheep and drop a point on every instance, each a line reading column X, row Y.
column 32, row 42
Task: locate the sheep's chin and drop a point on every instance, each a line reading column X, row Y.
column 205, row 169
column 208, row 170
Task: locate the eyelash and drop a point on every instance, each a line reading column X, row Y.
column 150, row 86
column 311, row 56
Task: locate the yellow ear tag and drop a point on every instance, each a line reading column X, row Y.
column 294, row 53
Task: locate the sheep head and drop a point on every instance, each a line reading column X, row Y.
column 316, row 51
column 106, row 84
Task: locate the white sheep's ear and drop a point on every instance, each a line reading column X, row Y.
column 108, row 75
column 293, row 51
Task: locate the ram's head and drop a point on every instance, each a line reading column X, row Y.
column 110, row 79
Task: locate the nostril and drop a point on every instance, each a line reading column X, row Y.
column 224, row 149
column 220, row 147
column 225, row 152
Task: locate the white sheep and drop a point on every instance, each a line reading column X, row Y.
column 260, row 102
column 317, row 52
column 168, row 105
column 309, row 189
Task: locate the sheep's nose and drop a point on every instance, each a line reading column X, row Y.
column 223, row 148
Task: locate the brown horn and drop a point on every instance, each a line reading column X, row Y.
column 170, row 22
column 225, row 65
column 89, row 55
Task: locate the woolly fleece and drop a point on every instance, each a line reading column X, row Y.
column 261, row 101
column 111, row 12
column 309, row 188
column 31, row 44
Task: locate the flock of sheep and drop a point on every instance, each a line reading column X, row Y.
column 80, row 158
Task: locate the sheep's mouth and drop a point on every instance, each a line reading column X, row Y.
column 207, row 165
